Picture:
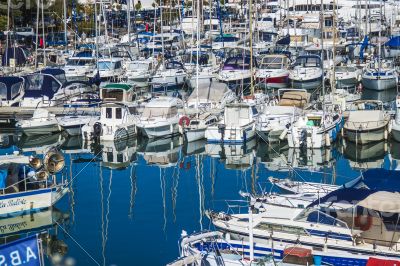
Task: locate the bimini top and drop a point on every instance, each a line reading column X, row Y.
column 120, row 86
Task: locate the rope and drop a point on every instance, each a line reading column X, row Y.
column 79, row 245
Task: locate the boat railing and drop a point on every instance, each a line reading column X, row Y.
column 42, row 183
column 237, row 206
column 365, row 124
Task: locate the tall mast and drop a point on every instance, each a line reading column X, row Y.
column 44, row 37
column 251, row 46
column 333, row 83
column 129, row 19
column 65, row 24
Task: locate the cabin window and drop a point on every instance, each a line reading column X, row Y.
column 280, row 228
column 118, row 113
column 211, row 121
column 195, row 122
column 15, row 90
column 108, row 112
column 3, row 91
column 120, row 158
column 110, row 157
column 254, row 109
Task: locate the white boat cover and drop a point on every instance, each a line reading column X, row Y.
column 382, row 201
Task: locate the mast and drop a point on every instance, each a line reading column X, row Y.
column 65, row 24
column 333, row 83
column 44, row 37
column 37, row 34
column 322, row 46
column 129, row 19
column 379, row 41
column 197, row 54
column 251, row 47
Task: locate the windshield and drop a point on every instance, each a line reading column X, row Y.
column 272, row 63
column 73, row 62
column 138, row 66
column 105, row 65
column 150, row 112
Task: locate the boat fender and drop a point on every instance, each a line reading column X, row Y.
column 283, row 134
column 362, row 225
column 327, row 140
column 184, row 121
column 386, row 134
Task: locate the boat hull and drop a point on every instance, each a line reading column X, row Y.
column 159, row 131
column 30, row 201
column 230, row 134
column 310, row 84
column 40, row 130
column 379, row 84
column 396, row 134
column 195, row 134
column 366, row 136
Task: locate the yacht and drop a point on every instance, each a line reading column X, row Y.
column 315, row 129
column 109, row 69
column 194, row 128
column 236, row 71
column 138, row 72
column 237, row 125
column 73, row 124
column 275, row 120
column 367, row 122
column 380, row 75
column 273, row 71
column 42, row 122
column 306, row 73
column 160, row 117
column 80, row 65
column 171, row 76
column 347, row 77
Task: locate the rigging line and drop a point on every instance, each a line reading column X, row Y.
column 77, row 243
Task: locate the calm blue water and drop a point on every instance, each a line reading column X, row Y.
column 135, row 215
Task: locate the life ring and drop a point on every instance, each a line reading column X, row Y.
column 361, row 224
column 184, row 121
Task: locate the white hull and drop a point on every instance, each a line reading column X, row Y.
column 379, row 84
column 195, row 134
column 230, row 134
column 40, row 130
column 27, row 201
column 159, row 130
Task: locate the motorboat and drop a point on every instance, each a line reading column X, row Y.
column 275, row 120
column 160, row 117
column 72, row 124
column 273, row 71
column 138, row 72
column 302, row 187
column 213, row 95
column 315, row 129
column 109, row 69
column 346, row 77
column 194, row 127
column 42, row 122
column 306, row 73
column 171, row 75
column 380, row 75
column 367, row 122
column 117, row 121
column 396, row 121
column 237, row 125
column 236, row 71
column 80, row 65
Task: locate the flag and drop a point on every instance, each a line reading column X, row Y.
column 21, row 252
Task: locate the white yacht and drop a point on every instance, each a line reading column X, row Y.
column 138, row 72
column 306, row 73
column 194, row 128
column 160, row 117
column 80, row 65
column 273, row 71
column 275, row 120
column 237, row 125
column 315, row 129
column 73, row 124
column 109, row 69
column 380, row 76
column 42, row 122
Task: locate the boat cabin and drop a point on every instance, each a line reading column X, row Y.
column 239, row 114
column 116, row 92
column 11, row 90
column 161, row 107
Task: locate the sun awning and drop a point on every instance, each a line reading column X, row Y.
column 382, row 201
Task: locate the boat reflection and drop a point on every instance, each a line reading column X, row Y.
column 366, row 156
column 194, row 147
column 118, row 154
column 384, row 96
column 160, row 152
column 40, row 143
column 235, row 156
column 273, row 155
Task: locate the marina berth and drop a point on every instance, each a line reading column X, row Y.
column 134, row 120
